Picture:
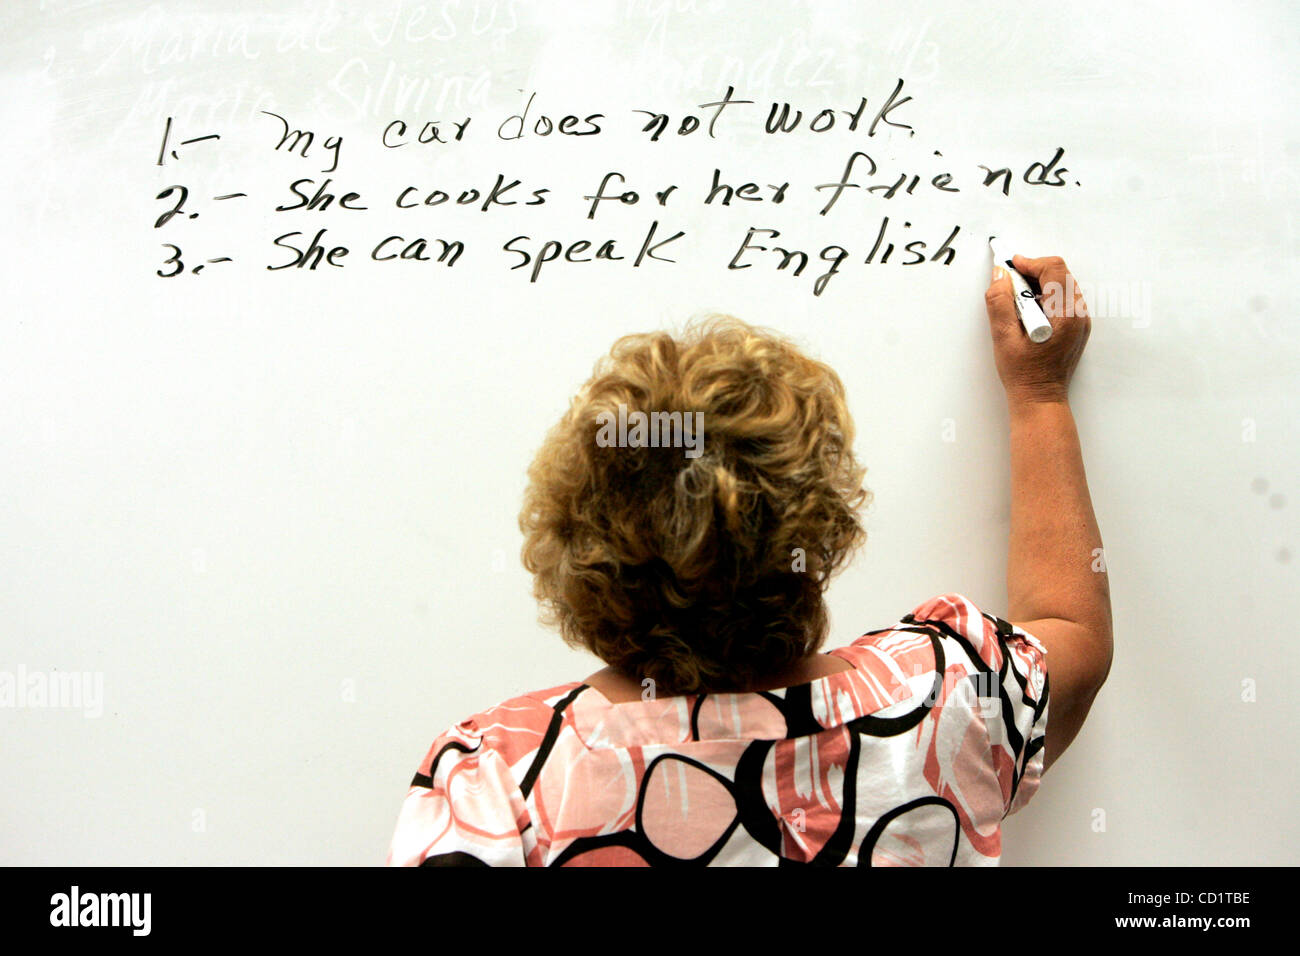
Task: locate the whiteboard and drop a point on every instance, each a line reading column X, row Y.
column 268, row 511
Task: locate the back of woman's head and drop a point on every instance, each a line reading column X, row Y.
column 701, row 567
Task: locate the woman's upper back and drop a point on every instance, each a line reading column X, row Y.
column 911, row 757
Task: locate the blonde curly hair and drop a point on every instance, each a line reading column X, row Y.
column 701, row 573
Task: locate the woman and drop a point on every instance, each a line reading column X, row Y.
column 691, row 553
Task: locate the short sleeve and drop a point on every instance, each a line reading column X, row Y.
column 1011, row 670
column 1024, row 724
column 463, row 807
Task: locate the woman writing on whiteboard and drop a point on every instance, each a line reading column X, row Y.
column 718, row 734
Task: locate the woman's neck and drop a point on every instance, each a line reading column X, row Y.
column 620, row 688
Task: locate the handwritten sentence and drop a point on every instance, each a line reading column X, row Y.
column 535, row 254
column 781, row 118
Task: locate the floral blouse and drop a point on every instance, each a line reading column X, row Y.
column 911, row 758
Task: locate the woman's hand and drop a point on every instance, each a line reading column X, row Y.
column 1037, row 372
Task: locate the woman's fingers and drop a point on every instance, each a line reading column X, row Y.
column 1000, row 299
column 1058, row 293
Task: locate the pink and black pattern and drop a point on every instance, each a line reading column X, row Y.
column 912, row 758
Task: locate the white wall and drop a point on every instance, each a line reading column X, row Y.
column 235, row 495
